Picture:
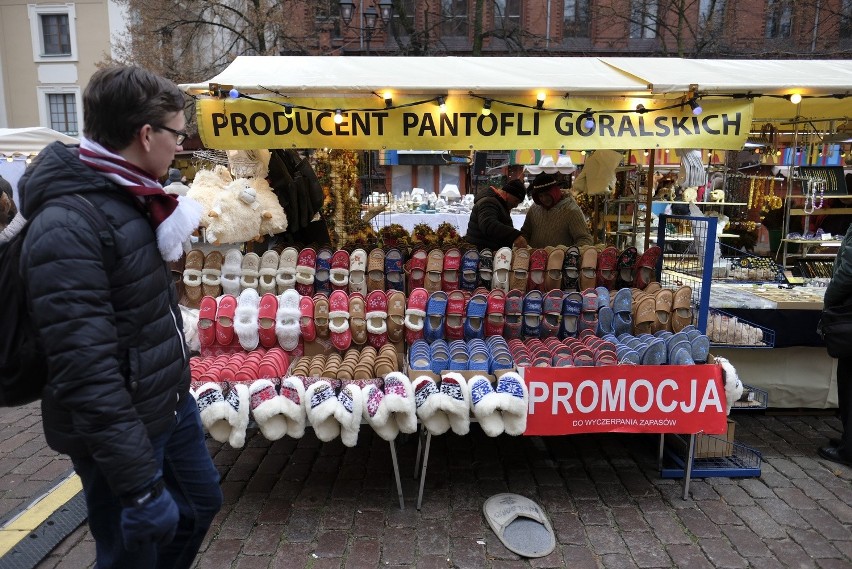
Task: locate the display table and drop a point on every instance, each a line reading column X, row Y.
column 457, row 220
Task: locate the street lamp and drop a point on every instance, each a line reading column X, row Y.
column 369, row 16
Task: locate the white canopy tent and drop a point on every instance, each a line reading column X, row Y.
column 18, row 144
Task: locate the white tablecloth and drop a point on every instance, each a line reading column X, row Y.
column 409, row 220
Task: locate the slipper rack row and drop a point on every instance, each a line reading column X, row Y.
column 312, row 272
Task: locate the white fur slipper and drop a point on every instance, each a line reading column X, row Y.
column 293, row 406
column 265, row 406
column 285, row 276
column 377, row 415
column 455, row 402
column 268, row 271
column 232, row 270
column 484, row 402
column 399, row 398
column 348, row 413
column 287, row 320
column 238, row 414
column 214, row 411
column 514, row 402
column 245, row 319
column 322, row 404
column 427, row 401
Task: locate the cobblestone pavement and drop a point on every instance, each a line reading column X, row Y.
column 294, row 504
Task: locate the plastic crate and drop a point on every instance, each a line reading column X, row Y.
column 728, row 331
column 742, row 462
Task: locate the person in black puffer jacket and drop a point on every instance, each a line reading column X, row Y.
column 490, row 225
column 117, row 399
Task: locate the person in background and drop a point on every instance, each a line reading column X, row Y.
column 490, row 225
column 117, row 399
column 176, row 183
column 11, row 220
column 554, row 218
column 837, row 294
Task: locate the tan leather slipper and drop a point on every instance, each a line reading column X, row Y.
column 645, row 316
column 321, row 315
column 663, row 310
column 396, row 316
column 520, row 268
column 376, row 270
column 682, row 309
column 211, row 274
column 357, row 319
column 588, row 268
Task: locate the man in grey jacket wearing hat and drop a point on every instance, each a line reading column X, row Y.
column 554, row 218
column 490, row 225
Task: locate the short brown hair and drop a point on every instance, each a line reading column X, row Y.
column 120, row 100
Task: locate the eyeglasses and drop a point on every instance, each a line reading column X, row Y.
column 180, row 134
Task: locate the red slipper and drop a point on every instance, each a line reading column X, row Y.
column 538, row 265
column 306, row 320
column 454, row 322
column 416, row 269
column 606, row 272
column 415, row 314
column 646, row 267
column 280, row 357
column 306, row 269
column 339, row 274
column 494, row 318
column 450, row 275
column 206, row 319
column 377, row 316
column 266, row 320
column 338, row 320
column 225, row 320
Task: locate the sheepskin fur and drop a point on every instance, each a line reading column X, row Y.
column 455, row 402
column 427, row 401
column 514, row 401
column 348, row 413
column 238, row 414
column 399, row 398
column 376, row 413
column 293, row 406
column 485, row 403
column 214, row 411
column 267, row 411
column 321, row 407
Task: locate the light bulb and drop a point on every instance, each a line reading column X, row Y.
column 795, row 98
column 338, row 116
column 696, row 108
column 442, row 105
column 640, row 108
column 388, row 98
column 234, row 94
column 288, row 110
column 539, row 100
column 589, row 123
column 582, row 153
column 486, row 107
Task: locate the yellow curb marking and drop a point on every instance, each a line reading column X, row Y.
column 36, row 513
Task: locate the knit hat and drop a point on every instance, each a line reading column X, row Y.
column 516, row 188
column 543, row 181
column 174, row 175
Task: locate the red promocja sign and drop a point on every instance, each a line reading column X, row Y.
column 626, row 399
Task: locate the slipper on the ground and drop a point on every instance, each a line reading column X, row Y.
column 520, row 524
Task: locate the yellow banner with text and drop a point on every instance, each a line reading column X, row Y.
column 365, row 124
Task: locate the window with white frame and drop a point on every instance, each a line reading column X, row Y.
column 507, row 15
column 53, row 32
column 576, row 19
column 643, row 19
column 779, row 18
column 60, row 108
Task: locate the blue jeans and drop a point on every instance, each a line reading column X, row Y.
column 191, row 478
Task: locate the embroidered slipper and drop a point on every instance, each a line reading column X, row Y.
column 266, row 318
column 606, row 271
column 322, row 404
column 502, row 269
column 450, row 274
column 486, row 268
column 538, row 267
column 211, row 274
column 225, row 320
column 624, row 268
column 416, row 269
column 513, row 321
column 238, row 399
column 358, row 318
column 250, row 272
column 469, row 269
column 338, row 320
column 206, row 321
column 393, row 270
column 415, row 315
column 520, row 268
column 285, row 276
column 213, row 410
column 287, row 318
column 682, row 312
column 494, row 319
column 399, row 399
column 265, row 406
column 553, row 276
column 513, row 403
column 652, row 288
column 484, row 402
column 377, row 315
column 339, row 273
column 192, row 278
column 348, row 413
column 269, row 262
column 292, row 405
column 571, row 268
column 589, row 315
column 551, row 313
column 662, row 310
column 645, row 315
column 306, row 319
column 322, row 282
column 477, row 308
column 646, row 267
column 306, row 269
column 434, row 271
column 622, row 306
column 532, row 314
column 454, row 322
column 376, row 413
column 427, row 401
column 520, row 524
column 396, row 316
column 376, row 270
column 588, row 268
column 358, row 271
column 455, row 402
column 321, row 316
column 436, row 310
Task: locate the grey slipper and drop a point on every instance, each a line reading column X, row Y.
column 520, row 524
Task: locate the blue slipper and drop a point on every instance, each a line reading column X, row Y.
column 681, row 356
column 393, row 270
column 655, row 352
column 436, row 310
column 532, row 314
column 603, row 296
column 474, row 322
column 605, row 320
column 700, row 348
column 469, row 269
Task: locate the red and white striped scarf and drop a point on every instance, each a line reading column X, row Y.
column 173, row 218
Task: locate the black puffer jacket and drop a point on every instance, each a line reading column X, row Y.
column 490, row 224
column 114, row 342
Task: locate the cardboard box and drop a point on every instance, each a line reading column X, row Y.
column 707, row 446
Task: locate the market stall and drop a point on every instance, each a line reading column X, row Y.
column 19, row 145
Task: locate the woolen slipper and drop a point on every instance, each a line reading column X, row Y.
column 520, row 524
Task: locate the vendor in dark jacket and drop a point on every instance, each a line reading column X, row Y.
column 117, row 399
column 490, row 225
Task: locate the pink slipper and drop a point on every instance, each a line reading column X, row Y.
column 415, row 315
column 306, row 320
column 306, row 269
column 377, row 314
column 206, row 321
column 266, row 320
column 338, row 320
column 225, row 320
column 339, row 274
column 494, row 318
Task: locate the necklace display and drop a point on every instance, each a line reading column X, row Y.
column 813, row 187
